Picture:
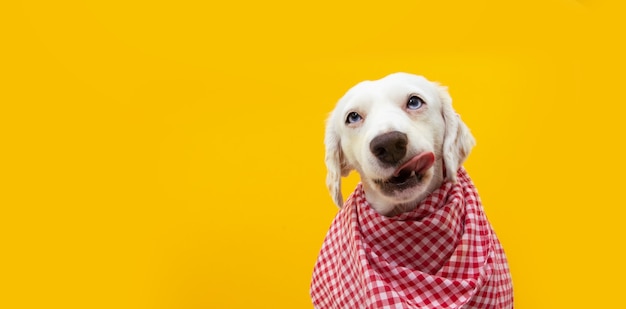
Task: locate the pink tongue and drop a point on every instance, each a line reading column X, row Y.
column 418, row 164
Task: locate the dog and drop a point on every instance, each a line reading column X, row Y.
column 413, row 234
column 401, row 135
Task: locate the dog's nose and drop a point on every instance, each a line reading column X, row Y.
column 390, row 147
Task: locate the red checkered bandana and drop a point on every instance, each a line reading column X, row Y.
column 443, row 254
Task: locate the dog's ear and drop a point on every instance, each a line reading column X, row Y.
column 457, row 141
column 335, row 161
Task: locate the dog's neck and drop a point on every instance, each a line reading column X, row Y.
column 389, row 208
column 400, row 209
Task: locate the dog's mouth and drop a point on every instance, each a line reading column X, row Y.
column 403, row 177
column 409, row 174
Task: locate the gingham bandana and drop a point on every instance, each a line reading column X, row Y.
column 444, row 254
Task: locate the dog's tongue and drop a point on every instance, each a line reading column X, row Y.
column 417, row 164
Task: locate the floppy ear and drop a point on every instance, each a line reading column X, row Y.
column 457, row 140
column 335, row 162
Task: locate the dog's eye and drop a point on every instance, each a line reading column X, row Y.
column 414, row 103
column 353, row 117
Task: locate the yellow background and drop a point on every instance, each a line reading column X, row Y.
column 168, row 154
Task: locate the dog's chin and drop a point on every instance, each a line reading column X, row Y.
column 407, row 187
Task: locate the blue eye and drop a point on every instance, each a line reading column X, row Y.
column 414, row 103
column 353, row 117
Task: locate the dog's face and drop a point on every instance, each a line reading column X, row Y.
column 401, row 135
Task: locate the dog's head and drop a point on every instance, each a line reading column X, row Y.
column 403, row 137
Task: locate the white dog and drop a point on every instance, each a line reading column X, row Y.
column 413, row 234
column 401, row 135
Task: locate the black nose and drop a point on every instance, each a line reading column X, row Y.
column 390, row 147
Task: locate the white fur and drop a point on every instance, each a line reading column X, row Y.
column 435, row 127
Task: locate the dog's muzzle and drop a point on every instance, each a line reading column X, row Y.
column 390, row 149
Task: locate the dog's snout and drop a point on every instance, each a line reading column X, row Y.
column 390, row 147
